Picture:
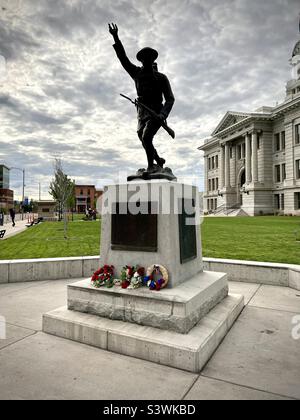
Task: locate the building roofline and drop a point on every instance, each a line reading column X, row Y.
column 85, row 185
column 267, row 116
column 228, row 113
column 5, row 166
column 208, row 143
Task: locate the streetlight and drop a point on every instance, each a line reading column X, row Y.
column 23, row 188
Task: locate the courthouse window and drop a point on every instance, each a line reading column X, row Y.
column 217, row 183
column 277, row 142
column 282, row 201
column 239, row 151
column 283, row 140
column 277, row 173
column 217, row 161
column 298, row 169
column 297, row 134
column 209, row 185
column 283, row 172
column 277, row 201
column 297, row 200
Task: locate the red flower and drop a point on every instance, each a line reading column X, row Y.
column 141, row 271
column 104, row 273
column 125, row 284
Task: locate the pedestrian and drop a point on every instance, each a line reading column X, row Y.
column 12, row 216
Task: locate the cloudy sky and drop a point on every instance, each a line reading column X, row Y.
column 60, row 94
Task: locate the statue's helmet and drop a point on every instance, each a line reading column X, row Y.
column 147, row 53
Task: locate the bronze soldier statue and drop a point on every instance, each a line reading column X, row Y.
column 151, row 86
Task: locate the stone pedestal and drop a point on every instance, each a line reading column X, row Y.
column 175, row 309
column 181, row 325
column 169, row 236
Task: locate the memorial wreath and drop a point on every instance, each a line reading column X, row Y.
column 132, row 277
column 104, row 276
column 157, row 277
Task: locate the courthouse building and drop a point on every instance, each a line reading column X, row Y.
column 252, row 160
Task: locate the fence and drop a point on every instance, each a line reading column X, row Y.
column 27, row 216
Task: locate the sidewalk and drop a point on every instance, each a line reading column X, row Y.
column 12, row 231
column 258, row 359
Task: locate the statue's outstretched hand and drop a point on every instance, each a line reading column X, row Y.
column 113, row 29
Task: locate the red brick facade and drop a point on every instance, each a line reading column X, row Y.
column 6, row 199
column 86, row 197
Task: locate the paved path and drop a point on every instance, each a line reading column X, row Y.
column 12, row 231
column 258, row 359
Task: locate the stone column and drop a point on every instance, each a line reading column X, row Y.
column 222, row 168
column 254, row 158
column 233, row 166
column 248, row 158
column 227, row 166
column 205, row 175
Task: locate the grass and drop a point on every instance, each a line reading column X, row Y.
column 270, row 239
column 264, row 238
column 46, row 240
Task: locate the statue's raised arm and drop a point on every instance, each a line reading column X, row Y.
column 113, row 30
column 120, row 51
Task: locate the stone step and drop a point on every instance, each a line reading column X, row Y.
column 188, row 352
column 177, row 309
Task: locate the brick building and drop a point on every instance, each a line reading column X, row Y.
column 6, row 195
column 86, row 197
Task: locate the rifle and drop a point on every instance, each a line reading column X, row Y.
column 164, row 124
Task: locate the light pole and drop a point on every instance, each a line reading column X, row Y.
column 23, row 188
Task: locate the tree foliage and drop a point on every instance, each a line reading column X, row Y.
column 62, row 189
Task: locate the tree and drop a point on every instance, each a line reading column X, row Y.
column 62, row 190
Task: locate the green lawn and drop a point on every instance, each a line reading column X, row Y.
column 249, row 238
column 266, row 238
column 46, row 240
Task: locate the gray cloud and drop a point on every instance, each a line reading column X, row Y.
column 61, row 95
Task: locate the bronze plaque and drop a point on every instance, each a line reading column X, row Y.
column 133, row 232
column 187, row 232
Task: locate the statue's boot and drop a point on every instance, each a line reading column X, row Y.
column 152, row 169
column 160, row 162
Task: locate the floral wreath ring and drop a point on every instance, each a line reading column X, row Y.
column 160, row 283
